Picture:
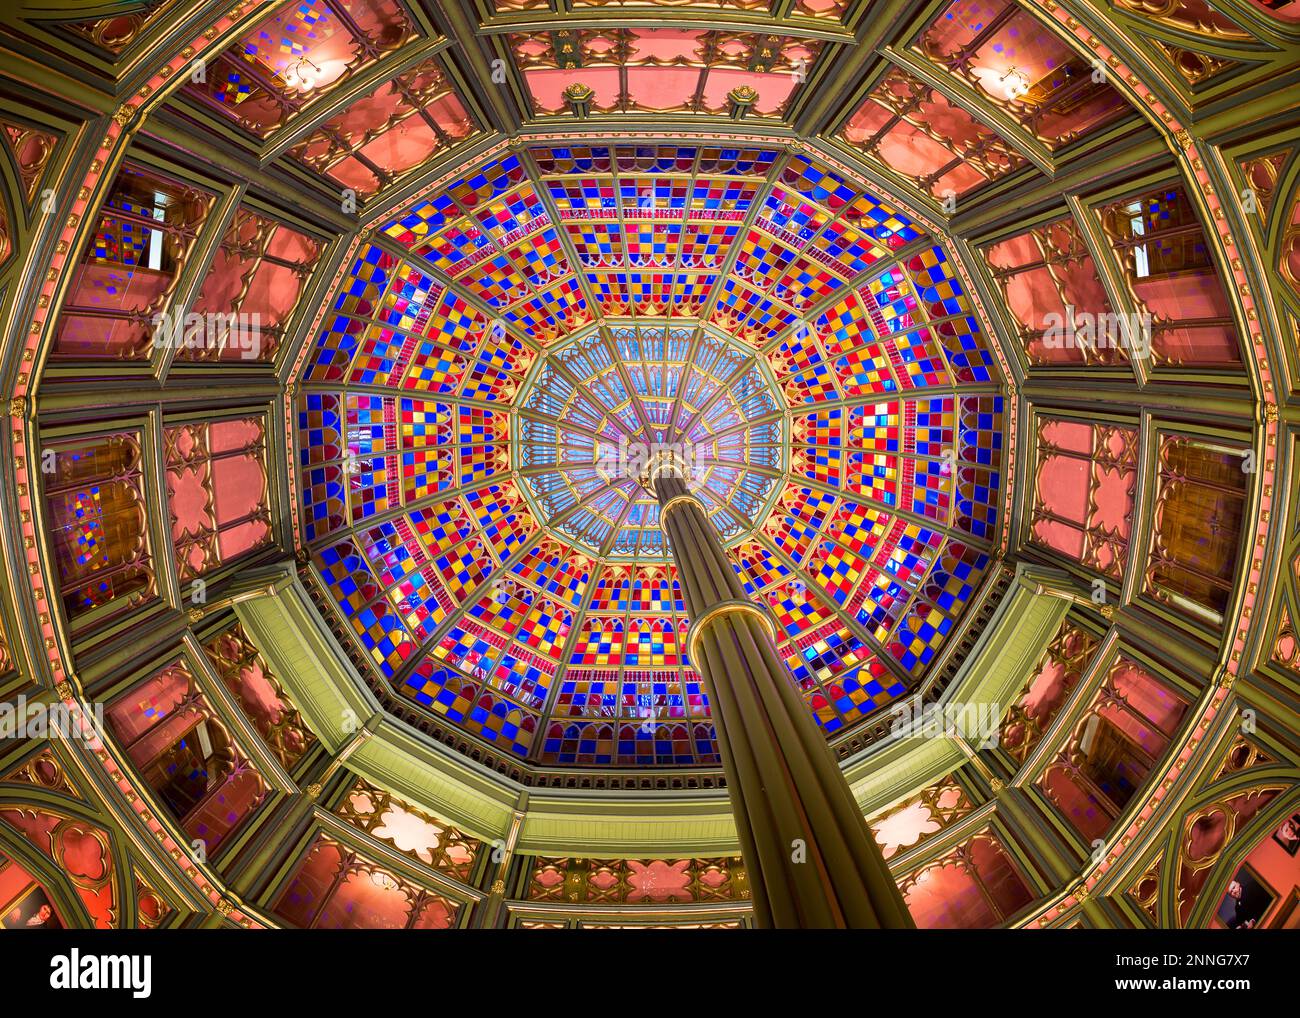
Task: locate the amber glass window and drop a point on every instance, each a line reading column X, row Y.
column 1200, row 501
column 95, row 501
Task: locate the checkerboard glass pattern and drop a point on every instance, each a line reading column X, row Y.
column 498, row 354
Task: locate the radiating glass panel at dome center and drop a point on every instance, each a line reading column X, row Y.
column 593, row 410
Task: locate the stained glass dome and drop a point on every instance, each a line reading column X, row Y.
column 599, row 405
column 337, row 336
column 490, row 349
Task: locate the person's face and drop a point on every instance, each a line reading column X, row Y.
column 1234, row 890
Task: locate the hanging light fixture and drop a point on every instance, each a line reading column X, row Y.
column 303, row 74
column 1015, row 83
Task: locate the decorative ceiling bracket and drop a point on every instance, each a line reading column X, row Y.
column 579, row 97
column 742, row 99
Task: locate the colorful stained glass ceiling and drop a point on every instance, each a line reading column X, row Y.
column 491, row 346
column 602, row 401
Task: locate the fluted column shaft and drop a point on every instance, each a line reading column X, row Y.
column 810, row 856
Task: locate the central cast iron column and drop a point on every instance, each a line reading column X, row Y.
column 811, row 860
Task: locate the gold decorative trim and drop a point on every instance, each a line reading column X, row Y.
column 659, row 462
column 663, row 512
column 578, row 92
column 724, row 609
